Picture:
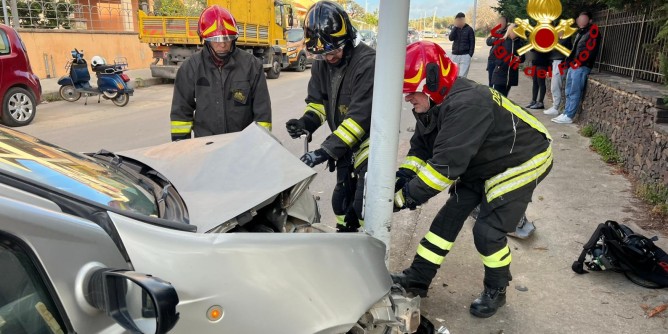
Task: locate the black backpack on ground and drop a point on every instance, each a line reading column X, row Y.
column 615, row 247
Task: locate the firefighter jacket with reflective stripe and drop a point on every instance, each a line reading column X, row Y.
column 341, row 96
column 478, row 135
column 211, row 100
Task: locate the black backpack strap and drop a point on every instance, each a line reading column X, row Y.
column 578, row 266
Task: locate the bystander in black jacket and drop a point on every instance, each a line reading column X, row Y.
column 582, row 38
column 504, row 73
column 464, row 40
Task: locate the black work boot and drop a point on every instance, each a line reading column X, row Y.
column 412, row 282
column 489, row 301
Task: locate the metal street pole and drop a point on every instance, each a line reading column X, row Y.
column 385, row 119
column 475, row 12
column 15, row 14
column 4, row 12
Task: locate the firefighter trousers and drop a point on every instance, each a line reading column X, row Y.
column 489, row 232
column 348, row 196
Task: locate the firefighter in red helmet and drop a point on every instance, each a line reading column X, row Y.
column 340, row 92
column 219, row 89
column 490, row 152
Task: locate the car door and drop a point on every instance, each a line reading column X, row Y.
column 5, row 52
column 48, row 255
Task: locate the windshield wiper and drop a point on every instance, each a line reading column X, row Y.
column 165, row 193
column 116, row 160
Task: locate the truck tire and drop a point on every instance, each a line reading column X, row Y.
column 275, row 71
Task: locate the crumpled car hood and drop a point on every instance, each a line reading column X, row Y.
column 221, row 177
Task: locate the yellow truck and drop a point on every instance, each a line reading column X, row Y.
column 262, row 25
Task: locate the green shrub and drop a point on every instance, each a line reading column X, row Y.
column 588, row 131
column 604, row 146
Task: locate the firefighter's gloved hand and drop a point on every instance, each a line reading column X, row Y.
column 315, row 158
column 403, row 199
column 295, row 127
column 403, row 176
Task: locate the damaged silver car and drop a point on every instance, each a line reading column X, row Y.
column 197, row 236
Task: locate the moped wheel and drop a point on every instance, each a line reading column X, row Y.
column 69, row 93
column 121, row 100
column 109, row 95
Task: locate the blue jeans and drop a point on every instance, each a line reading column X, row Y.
column 576, row 79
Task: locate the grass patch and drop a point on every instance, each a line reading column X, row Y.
column 588, row 131
column 655, row 195
column 51, row 97
column 603, row 145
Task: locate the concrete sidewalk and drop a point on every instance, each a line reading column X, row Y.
column 580, row 192
column 138, row 78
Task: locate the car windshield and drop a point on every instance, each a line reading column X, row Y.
column 295, row 35
column 73, row 173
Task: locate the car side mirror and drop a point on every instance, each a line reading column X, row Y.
column 138, row 302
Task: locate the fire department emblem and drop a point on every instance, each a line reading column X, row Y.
column 544, row 37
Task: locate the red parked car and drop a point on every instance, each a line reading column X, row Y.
column 20, row 90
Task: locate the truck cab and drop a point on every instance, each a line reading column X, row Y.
column 261, row 23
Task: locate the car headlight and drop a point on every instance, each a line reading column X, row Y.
column 292, row 48
column 292, row 55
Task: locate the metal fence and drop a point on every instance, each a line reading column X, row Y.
column 625, row 36
column 90, row 15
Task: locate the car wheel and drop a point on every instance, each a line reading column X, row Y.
column 121, row 100
column 69, row 93
column 301, row 63
column 275, row 70
column 18, row 107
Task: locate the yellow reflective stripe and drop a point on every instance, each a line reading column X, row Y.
column 525, row 116
column 341, row 220
column 346, row 136
column 354, row 128
column 429, row 255
column 499, row 259
column 317, row 109
column 361, row 156
column 433, row 178
column 361, row 222
column 365, row 143
column 518, row 182
column 414, row 164
column 399, row 200
column 532, row 163
column 181, row 127
column 266, row 125
column 438, row 241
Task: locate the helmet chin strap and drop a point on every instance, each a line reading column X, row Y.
column 220, row 57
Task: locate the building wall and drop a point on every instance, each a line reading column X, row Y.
column 56, row 45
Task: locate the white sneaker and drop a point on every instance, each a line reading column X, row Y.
column 563, row 119
column 551, row 111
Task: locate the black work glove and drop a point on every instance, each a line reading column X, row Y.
column 295, row 127
column 403, row 199
column 403, row 176
column 315, row 158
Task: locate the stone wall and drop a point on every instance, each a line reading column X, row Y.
column 631, row 115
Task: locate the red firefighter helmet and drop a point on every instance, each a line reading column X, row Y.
column 216, row 24
column 428, row 65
